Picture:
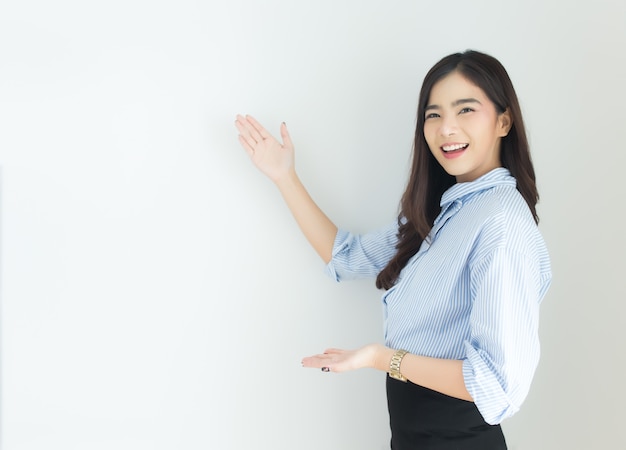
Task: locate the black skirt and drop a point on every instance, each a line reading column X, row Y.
column 423, row 419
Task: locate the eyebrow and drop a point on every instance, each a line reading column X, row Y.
column 458, row 102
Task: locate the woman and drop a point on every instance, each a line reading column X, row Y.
column 464, row 268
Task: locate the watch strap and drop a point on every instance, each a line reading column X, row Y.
column 394, row 365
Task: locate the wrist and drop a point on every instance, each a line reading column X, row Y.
column 383, row 358
column 287, row 180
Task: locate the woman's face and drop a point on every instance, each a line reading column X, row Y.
column 463, row 129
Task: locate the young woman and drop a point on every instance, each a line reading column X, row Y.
column 463, row 269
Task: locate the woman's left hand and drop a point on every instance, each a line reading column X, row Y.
column 337, row 360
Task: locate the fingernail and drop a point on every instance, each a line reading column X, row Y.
column 325, row 369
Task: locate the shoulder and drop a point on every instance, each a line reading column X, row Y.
column 503, row 220
column 498, row 207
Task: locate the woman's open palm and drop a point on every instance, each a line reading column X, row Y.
column 274, row 159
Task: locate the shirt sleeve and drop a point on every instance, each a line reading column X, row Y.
column 361, row 256
column 503, row 350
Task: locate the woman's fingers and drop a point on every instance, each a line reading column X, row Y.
column 331, row 360
column 244, row 137
column 247, row 147
column 317, row 363
column 258, row 127
column 338, row 360
column 248, row 131
column 284, row 134
column 330, row 351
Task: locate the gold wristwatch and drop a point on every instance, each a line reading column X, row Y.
column 394, row 365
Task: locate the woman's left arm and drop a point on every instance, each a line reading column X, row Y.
column 441, row 375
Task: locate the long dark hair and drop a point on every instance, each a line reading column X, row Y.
column 419, row 205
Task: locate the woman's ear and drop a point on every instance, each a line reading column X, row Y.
column 505, row 122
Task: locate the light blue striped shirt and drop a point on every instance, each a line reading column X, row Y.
column 472, row 291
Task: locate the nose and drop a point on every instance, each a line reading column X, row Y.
column 448, row 126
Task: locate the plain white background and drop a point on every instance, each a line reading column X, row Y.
column 156, row 293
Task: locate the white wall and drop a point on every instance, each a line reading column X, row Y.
column 156, row 294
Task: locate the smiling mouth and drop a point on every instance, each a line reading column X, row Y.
column 454, row 148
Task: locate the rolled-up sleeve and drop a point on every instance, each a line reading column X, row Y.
column 502, row 352
column 361, row 256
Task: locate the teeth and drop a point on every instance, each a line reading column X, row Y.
column 449, row 148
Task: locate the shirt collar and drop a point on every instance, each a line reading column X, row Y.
column 497, row 177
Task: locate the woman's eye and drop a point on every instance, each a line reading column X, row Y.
column 432, row 116
column 465, row 110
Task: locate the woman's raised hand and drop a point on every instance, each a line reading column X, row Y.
column 274, row 159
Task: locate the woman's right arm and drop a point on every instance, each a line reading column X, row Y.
column 276, row 161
